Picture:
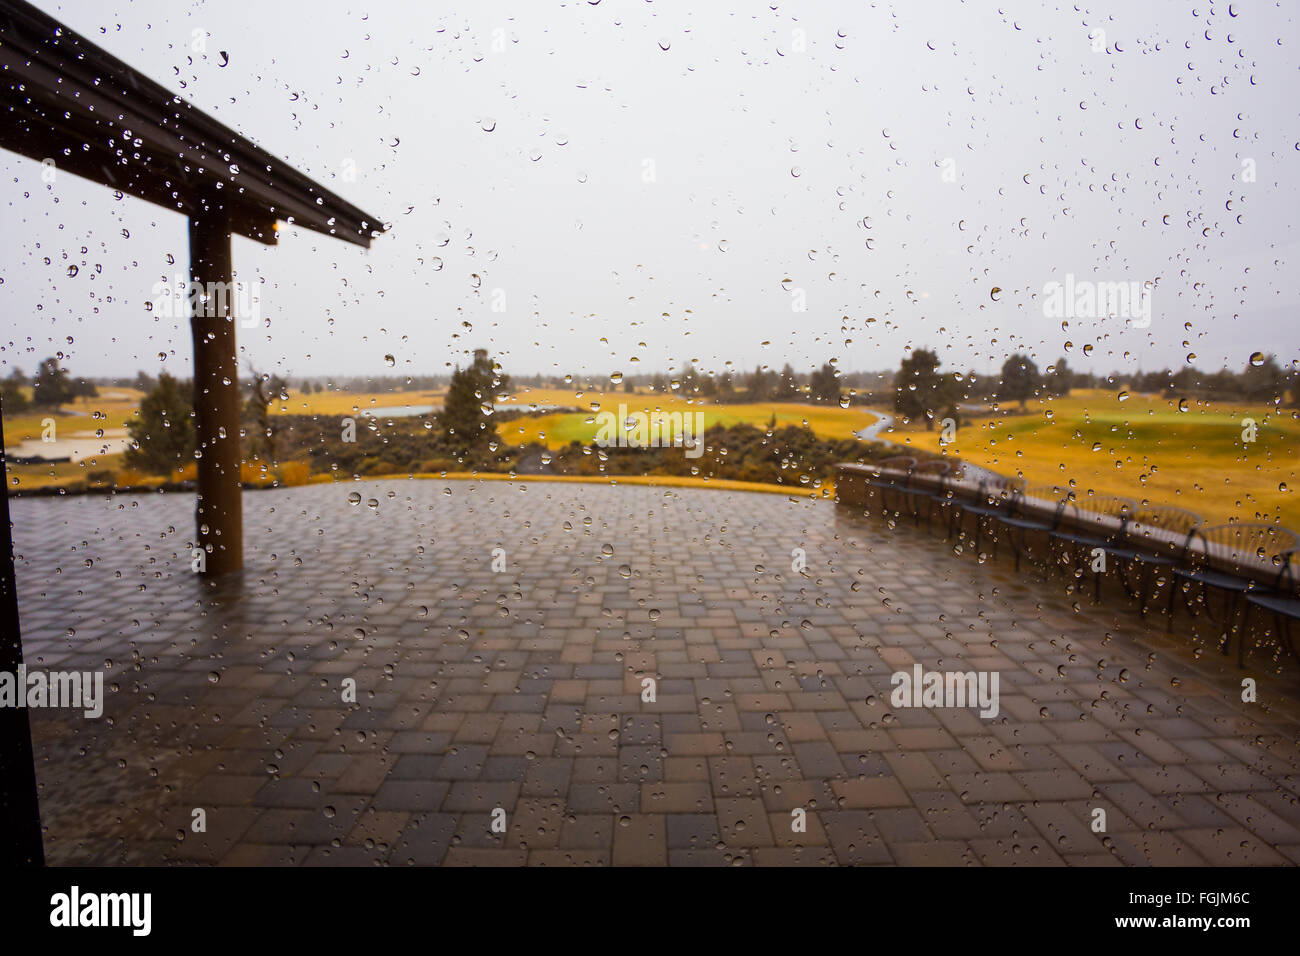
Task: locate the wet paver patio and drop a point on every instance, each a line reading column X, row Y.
column 479, row 690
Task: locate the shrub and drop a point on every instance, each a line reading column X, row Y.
column 129, row 477
column 293, row 473
column 255, row 473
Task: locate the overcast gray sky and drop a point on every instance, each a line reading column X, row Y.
column 793, row 141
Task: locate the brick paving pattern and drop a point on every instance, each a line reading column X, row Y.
column 521, row 691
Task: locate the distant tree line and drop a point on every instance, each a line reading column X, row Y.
column 923, row 393
column 51, row 387
column 163, row 437
column 464, row 432
column 1262, row 378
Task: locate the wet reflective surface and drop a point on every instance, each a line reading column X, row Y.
column 523, row 690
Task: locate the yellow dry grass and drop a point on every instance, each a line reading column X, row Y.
column 1143, row 447
column 344, row 403
column 83, row 415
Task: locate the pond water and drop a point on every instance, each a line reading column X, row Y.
column 74, row 448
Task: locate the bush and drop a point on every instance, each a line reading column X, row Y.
column 129, row 477
column 255, row 473
column 293, row 473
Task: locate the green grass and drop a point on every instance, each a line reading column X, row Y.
column 560, row 428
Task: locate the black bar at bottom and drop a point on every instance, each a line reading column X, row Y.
column 382, row 906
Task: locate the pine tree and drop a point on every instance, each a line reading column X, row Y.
column 1061, row 378
column 726, row 387
column 12, row 394
column 787, row 388
column 52, row 386
column 464, row 422
column 1265, row 381
column 920, row 391
column 163, row 432
column 1020, row 379
column 824, row 385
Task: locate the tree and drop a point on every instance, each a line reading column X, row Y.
column 84, row 388
column 1265, row 381
column 824, row 386
column 464, row 420
column 920, row 391
column 1060, row 378
column 264, row 389
column 787, row 388
column 52, row 386
column 726, row 387
column 1186, row 381
column 1146, row 382
column 162, row 433
column 13, row 397
column 1020, row 379
column 758, row 386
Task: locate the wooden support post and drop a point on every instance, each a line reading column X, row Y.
column 20, row 815
column 220, row 514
